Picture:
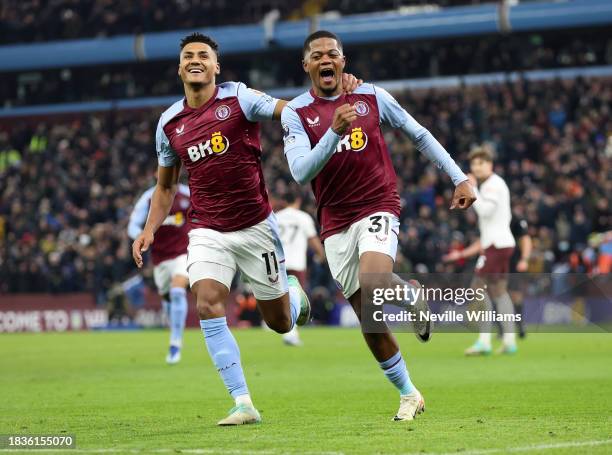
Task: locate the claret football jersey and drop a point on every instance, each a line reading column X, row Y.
column 359, row 178
column 219, row 145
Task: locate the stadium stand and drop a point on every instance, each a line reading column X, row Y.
column 69, row 182
column 34, row 20
column 397, row 60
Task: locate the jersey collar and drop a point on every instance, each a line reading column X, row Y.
column 204, row 106
column 328, row 99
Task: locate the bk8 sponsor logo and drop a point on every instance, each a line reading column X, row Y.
column 355, row 141
column 176, row 219
column 216, row 145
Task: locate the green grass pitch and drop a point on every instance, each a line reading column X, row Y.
column 116, row 394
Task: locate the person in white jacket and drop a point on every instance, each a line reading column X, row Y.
column 495, row 247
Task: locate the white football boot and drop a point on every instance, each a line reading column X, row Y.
column 411, row 405
column 241, row 414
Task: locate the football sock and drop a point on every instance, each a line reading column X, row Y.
column 485, row 339
column 505, row 306
column 295, row 305
column 225, row 354
column 396, row 372
column 178, row 314
column 485, row 326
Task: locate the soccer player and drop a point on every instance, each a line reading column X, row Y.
column 334, row 140
column 519, row 262
column 497, row 245
column 169, row 256
column 213, row 132
column 297, row 233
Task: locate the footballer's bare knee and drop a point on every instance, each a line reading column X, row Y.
column 210, row 298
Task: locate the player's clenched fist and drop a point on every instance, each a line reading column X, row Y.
column 464, row 196
column 140, row 245
column 343, row 117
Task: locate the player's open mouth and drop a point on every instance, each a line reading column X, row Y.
column 327, row 75
column 196, row 70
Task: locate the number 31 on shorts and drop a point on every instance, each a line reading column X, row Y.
column 376, row 225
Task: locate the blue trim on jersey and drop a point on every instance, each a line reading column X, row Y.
column 256, row 106
column 166, row 157
column 300, row 101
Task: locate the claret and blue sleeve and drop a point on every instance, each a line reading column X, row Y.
column 394, row 115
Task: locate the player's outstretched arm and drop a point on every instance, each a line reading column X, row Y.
column 464, row 196
column 258, row 106
column 349, row 85
column 392, row 114
column 161, row 203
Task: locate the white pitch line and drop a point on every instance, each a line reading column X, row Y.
column 559, row 445
column 529, row 448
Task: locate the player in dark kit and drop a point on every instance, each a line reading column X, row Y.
column 520, row 263
column 334, row 140
column 169, row 256
column 214, row 133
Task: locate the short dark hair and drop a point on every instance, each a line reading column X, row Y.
column 319, row 34
column 483, row 152
column 196, row 37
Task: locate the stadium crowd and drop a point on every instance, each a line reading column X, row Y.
column 68, row 184
column 520, row 51
column 38, row 20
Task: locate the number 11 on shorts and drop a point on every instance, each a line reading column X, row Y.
column 266, row 257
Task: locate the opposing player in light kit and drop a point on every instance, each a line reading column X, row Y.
column 334, row 140
column 496, row 246
column 297, row 232
column 214, row 132
column 519, row 263
column 169, row 256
